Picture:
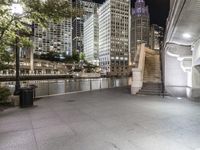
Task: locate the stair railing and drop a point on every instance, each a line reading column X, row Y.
column 162, row 68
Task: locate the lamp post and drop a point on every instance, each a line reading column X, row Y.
column 17, row 10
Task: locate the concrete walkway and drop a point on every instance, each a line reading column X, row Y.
column 110, row 119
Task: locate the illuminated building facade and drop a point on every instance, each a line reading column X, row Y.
column 114, row 37
column 91, row 39
column 88, row 8
column 56, row 37
column 156, row 36
column 140, row 22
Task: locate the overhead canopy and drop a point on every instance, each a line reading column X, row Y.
column 184, row 27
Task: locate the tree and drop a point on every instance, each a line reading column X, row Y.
column 39, row 12
column 52, row 56
column 75, row 56
column 82, row 56
column 69, row 59
column 5, row 60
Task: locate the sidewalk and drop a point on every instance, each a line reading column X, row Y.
column 110, row 119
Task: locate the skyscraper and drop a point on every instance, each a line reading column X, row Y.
column 156, row 36
column 91, row 39
column 140, row 22
column 114, row 37
column 88, row 8
column 56, row 37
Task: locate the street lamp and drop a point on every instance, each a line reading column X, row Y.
column 17, row 10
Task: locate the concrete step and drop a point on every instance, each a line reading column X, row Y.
column 153, row 93
column 152, row 72
column 152, row 77
column 150, row 88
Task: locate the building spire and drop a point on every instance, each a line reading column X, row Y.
column 141, row 1
column 140, row 9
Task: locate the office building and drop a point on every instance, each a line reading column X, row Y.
column 114, row 37
column 91, row 39
column 140, row 22
column 156, row 36
column 88, row 7
column 56, row 37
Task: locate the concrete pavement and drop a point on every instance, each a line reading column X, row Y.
column 110, row 119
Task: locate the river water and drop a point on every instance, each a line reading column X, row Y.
column 53, row 87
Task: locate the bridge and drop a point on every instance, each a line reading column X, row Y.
column 182, row 49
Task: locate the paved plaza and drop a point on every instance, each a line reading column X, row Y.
column 110, row 119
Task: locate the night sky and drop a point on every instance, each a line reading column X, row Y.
column 158, row 10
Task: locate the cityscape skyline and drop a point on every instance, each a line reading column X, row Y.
column 99, row 74
column 158, row 10
column 122, row 37
column 114, row 50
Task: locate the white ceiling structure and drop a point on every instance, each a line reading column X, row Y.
column 184, row 22
column 182, row 48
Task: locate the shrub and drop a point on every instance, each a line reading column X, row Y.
column 4, row 94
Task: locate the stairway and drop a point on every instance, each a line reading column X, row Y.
column 152, row 75
column 151, row 89
column 152, row 72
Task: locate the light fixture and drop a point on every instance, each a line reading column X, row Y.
column 187, row 36
column 179, row 98
column 16, row 9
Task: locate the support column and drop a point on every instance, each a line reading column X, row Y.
column 194, row 88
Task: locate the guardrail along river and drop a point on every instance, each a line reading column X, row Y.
column 53, row 87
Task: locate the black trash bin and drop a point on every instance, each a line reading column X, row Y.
column 26, row 97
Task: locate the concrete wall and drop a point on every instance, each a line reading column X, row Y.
column 196, row 53
column 194, row 92
column 175, row 77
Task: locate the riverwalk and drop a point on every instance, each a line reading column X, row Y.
column 109, row 119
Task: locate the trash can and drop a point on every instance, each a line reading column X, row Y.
column 26, row 97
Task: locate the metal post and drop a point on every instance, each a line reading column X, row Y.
column 90, row 85
column 65, row 86
column 48, row 87
column 100, row 83
column 17, row 79
column 79, row 85
column 162, row 68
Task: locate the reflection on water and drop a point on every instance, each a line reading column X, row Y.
column 52, row 87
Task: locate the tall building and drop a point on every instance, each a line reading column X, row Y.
column 140, row 22
column 91, row 39
column 156, row 36
column 114, row 37
column 56, row 37
column 88, row 8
